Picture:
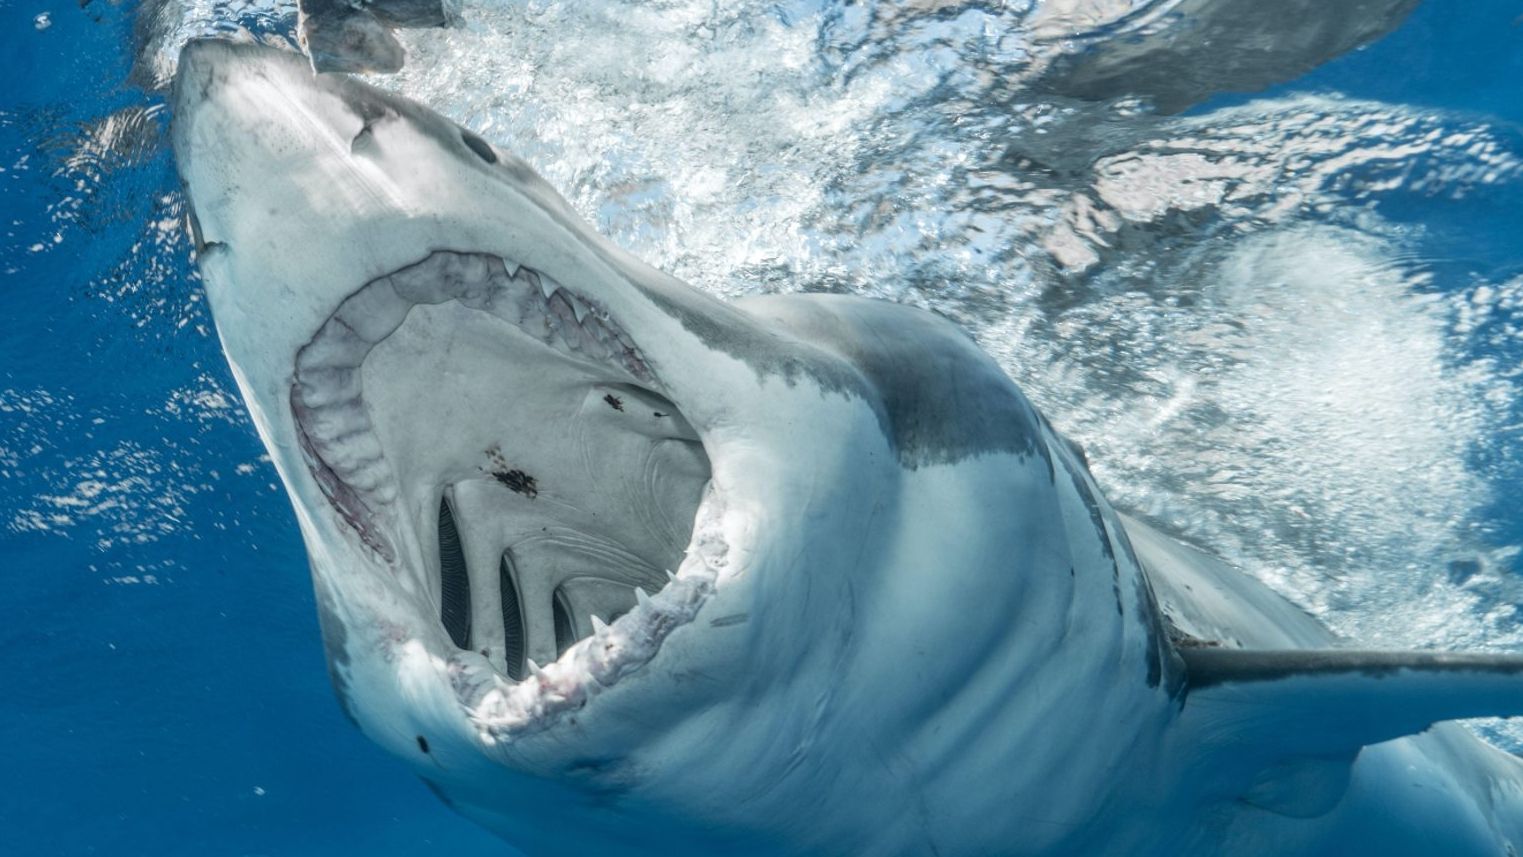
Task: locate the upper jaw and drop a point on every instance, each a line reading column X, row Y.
column 293, row 215
column 356, row 506
column 333, row 427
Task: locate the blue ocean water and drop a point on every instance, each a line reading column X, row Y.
column 162, row 688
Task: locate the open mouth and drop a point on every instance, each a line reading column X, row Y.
column 504, row 440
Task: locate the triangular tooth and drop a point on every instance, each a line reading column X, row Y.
column 534, row 668
column 577, row 307
column 670, row 576
column 547, row 286
column 641, row 598
column 599, row 627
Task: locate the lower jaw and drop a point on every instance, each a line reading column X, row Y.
column 500, row 709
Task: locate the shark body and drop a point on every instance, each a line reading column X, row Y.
column 615, row 565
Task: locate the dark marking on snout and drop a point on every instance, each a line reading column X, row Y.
column 614, row 402
column 657, row 414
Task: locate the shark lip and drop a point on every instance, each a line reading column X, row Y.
column 345, row 457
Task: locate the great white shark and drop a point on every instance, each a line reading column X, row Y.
column 615, row 565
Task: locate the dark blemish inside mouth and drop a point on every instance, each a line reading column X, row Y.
column 519, row 481
column 614, row 402
column 422, row 743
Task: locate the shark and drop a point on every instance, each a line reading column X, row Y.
column 615, row 565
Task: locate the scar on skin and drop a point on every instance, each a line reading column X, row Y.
column 614, row 402
column 422, row 743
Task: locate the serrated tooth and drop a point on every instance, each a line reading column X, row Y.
column 547, row 286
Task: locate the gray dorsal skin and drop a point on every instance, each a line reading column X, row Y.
column 340, row 36
column 1176, row 54
column 621, row 568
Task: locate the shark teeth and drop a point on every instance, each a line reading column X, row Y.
column 327, row 398
column 501, row 710
column 345, row 457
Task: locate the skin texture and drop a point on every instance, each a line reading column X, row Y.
column 1176, row 54
column 340, row 37
column 904, row 621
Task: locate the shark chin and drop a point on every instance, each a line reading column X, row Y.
column 612, row 564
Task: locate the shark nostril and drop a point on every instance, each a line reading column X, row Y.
column 454, row 580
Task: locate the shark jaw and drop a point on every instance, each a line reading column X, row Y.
column 572, row 482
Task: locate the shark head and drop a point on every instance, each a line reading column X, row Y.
column 599, row 554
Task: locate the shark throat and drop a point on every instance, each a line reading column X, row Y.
column 503, row 441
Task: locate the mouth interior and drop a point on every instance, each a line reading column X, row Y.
column 502, row 440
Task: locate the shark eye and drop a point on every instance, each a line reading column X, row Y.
column 482, row 148
column 454, row 583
